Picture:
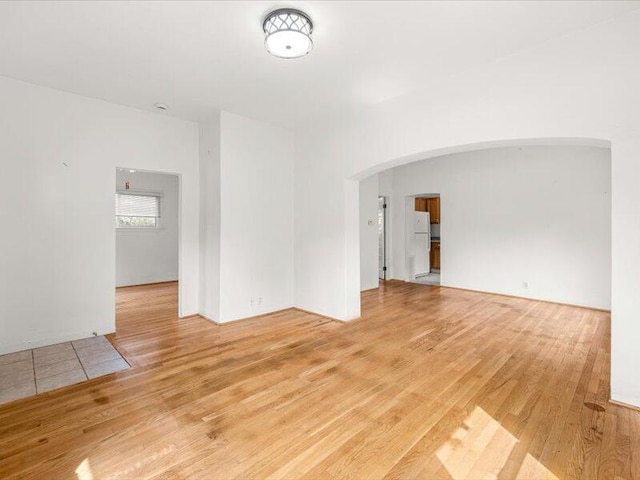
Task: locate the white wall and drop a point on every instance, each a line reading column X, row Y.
column 149, row 256
column 256, row 170
column 385, row 189
column 369, row 233
column 57, row 273
column 625, row 276
column 540, row 215
column 209, row 292
column 58, row 283
column 582, row 86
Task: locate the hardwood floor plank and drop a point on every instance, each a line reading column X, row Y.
column 429, row 383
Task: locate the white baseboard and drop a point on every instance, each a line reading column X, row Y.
column 624, row 401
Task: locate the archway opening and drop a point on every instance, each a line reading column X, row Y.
column 528, row 218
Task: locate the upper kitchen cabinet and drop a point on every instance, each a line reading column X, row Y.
column 433, row 207
column 421, row 204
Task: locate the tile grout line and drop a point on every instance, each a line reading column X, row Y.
column 79, row 361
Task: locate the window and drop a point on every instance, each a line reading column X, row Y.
column 137, row 210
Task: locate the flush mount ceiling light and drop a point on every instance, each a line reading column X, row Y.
column 287, row 33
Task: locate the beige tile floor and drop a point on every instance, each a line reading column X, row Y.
column 42, row 369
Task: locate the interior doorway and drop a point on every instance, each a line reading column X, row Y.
column 382, row 238
column 147, row 230
column 423, row 240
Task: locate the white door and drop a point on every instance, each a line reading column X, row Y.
column 382, row 248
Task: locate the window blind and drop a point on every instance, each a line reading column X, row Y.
column 129, row 205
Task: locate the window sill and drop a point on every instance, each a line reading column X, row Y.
column 140, row 229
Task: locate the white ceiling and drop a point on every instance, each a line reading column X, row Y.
column 198, row 56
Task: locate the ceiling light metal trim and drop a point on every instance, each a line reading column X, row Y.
column 288, row 33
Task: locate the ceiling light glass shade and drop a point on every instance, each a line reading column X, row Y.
column 288, row 33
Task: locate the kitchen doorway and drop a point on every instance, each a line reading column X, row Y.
column 382, row 238
column 422, row 246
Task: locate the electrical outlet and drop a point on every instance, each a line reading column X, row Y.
column 95, row 333
column 525, row 285
column 259, row 300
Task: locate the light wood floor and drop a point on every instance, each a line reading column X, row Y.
column 430, row 383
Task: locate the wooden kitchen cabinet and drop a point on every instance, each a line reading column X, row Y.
column 433, row 207
column 434, row 255
column 421, row 205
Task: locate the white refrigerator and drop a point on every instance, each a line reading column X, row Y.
column 421, row 244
